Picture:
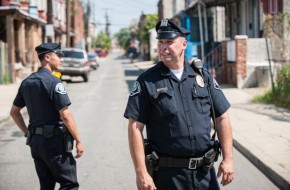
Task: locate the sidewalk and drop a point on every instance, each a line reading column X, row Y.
column 261, row 132
column 7, row 95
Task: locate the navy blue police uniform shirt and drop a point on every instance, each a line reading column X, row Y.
column 44, row 95
column 176, row 112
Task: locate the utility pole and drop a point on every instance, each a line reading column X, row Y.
column 107, row 23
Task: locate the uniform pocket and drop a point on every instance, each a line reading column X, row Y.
column 201, row 98
column 165, row 103
column 54, row 145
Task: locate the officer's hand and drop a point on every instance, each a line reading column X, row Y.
column 226, row 168
column 145, row 182
column 80, row 149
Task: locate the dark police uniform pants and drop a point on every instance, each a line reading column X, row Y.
column 52, row 164
column 185, row 179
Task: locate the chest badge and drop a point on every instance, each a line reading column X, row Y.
column 199, row 81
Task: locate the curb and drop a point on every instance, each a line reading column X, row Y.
column 277, row 179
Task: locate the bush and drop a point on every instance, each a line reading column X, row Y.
column 282, row 89
column 280, row 97
column 5, row 78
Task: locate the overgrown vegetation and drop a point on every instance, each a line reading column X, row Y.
column 102, row 41
column 149, row 23
column 5, row 78
column 280, row 96
column 123, row 38
column 277, row 29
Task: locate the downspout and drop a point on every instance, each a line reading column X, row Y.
column 205, row 20
column 201, row 32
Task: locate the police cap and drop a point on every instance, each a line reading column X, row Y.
column 49, row 47
column 167, row 30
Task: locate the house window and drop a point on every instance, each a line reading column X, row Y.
column 273, row 7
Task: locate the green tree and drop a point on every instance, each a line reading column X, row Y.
column 123, row 37
column 102, row 41
column 149, row 23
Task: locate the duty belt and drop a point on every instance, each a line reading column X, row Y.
column 39, row 131
column 190, row 163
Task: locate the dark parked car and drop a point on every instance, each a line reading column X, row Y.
column 94, row 60
column 101, row 52
column 75, row 63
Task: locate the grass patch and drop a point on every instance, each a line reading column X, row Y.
column 281, row 96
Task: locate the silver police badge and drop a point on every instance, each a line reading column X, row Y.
column 164, row 22
column 199, row 81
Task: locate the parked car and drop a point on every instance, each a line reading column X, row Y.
column 93, row 60
column 101, row 52
column 75, row 63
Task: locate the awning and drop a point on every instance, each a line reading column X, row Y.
column 6, row 10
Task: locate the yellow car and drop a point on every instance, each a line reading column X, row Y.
column 57, row 74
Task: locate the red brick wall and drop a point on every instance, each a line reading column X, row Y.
column 79, row 23
column 5, row 2
column 241, row 55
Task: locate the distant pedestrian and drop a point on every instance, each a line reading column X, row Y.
column 172, row 99
column 132, row 53
column 51, row 130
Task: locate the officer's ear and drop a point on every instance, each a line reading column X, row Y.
column 184, row 43
column 47, row 57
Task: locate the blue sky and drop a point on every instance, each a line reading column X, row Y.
column 120, row 12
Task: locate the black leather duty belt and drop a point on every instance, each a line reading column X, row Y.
column 40, row 131
column 190, row 163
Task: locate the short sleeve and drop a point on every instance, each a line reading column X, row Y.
column 138, row 106
column 60, row 96
column 19, row 100
column 220, row 102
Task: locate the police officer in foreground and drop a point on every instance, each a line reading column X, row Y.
column 52, row 129
column 173, row 101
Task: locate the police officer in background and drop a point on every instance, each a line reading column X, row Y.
column 173, row 101
column 51, row 128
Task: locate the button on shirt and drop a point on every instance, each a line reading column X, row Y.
column 176, row 112
column 44, row 95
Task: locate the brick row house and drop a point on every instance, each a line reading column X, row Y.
column 228, row 35
column 24, row 24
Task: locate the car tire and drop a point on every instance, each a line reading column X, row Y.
column 86, row 78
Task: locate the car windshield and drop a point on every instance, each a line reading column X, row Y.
column 73, row 54
column 91, row 56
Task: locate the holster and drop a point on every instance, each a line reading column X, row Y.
column 29, row 135
column 211, row 156
column 151, row 158
column 28, row 138
column 67, row 138
column 152, row 161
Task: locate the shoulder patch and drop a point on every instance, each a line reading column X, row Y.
column 59, row 88
column 216, row 85
column 136, row 89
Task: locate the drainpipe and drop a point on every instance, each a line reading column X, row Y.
column 203, row 39
column 201, row 32
column 205, row 20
